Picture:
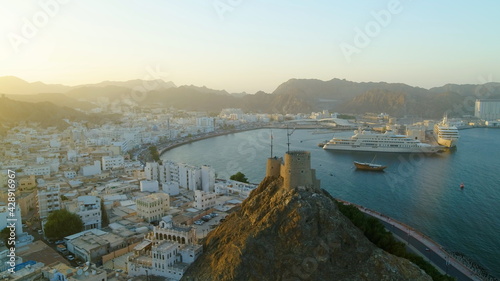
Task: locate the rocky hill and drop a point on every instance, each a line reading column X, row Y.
column 293, row 234
column 45, row 114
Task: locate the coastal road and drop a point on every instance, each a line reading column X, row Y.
column 422, row 245
column 427, row 251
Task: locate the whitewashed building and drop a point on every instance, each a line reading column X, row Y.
column 149, row 186
column 49, row 200
column 109, row 162
column 167, row 252
column 89, row 210
column 487, row 109
column 203, row 200
column 91, row 170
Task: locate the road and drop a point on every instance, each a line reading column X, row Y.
column 422, row 245
column 428, row 252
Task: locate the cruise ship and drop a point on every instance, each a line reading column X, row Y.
column 446, row 134
column 375, row 142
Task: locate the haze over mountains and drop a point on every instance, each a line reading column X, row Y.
column 292, row 96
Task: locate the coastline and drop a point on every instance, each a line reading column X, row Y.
column 441, row 259
column 276, row 126
column 164, row 147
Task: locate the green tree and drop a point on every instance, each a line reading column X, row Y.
column 62, row 223
column 239, row 176
column 375, row 231
column 154, row 153
column 104, row 215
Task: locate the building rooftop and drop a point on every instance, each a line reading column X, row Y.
column 93, row 231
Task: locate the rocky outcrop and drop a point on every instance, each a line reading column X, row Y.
column 293, row 234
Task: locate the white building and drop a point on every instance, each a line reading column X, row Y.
column 91, row 170
column 171, row 188
column 225, row 187
column 89, row 210
column 151, row 170
column 153, row 207
column 49, row 200
column 37, row 170
column 172, row 250
column 69, row 174
column 487, row 109
column 203, row 200
column 205, row 124
column 189, row 177
column 186, row 176
column 109, row 162
column 207, row 178
column 149, row 186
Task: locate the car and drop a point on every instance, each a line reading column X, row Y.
column 40, row 232
column 206, row 218
column 198, row 222
column 70, row 257
column 213, row 215
column 60, row 242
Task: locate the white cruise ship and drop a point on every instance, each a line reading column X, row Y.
column 446, row 134
column 374, row 142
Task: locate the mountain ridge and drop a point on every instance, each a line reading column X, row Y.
column 292, row 96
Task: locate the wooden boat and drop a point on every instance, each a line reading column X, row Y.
column 369, row 166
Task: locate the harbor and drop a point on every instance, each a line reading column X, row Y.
column 422, row 191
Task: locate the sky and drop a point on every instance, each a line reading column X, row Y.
column 250, row 45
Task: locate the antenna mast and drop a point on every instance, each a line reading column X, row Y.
column 271, row 143
column 288, row 137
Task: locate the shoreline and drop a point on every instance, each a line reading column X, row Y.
column 162, row 149
column 430, row 244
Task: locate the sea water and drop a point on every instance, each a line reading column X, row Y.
column 422, row 191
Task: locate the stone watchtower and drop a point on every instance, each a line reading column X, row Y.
column 273, row 166
column 295, row 170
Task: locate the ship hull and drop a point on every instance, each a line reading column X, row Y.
column 424, row 149
column 369, row 167
column 447, row 143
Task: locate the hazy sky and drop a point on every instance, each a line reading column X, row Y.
column 251, row 45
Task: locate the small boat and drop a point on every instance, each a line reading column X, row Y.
column 462, row 185
column 369, row 166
